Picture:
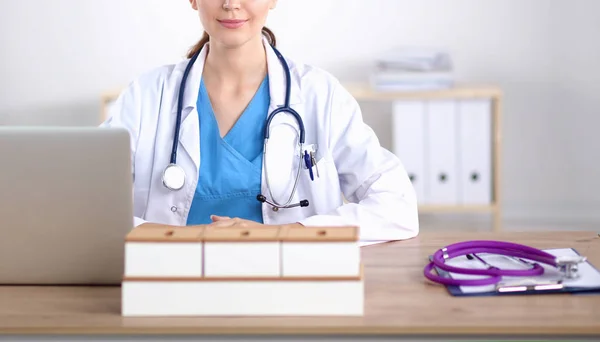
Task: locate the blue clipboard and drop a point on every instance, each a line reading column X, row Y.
column 594, row 289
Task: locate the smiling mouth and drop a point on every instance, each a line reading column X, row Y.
column 232, row 23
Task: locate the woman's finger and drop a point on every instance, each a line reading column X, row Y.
column 219, row 218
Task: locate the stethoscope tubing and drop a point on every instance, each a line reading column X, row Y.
column 438, row 260
column 458, row 282
column 285, row 108
column 493, row 274
column 180, row 107
column 499, row 244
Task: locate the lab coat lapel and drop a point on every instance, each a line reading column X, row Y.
column 190, row 135
column 278, row 79
column 280, row 162
column 190, row 125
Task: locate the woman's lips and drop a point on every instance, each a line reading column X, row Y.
column 232, row 23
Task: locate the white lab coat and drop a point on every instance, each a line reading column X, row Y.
column 350, row 160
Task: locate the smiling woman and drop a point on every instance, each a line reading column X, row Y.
column 209, row 117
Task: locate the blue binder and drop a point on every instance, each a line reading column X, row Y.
column 588, row 282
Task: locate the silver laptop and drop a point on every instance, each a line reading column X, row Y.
column 65, row 205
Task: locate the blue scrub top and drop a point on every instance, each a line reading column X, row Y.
column 230, row 167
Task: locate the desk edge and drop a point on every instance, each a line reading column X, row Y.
column 333, row 330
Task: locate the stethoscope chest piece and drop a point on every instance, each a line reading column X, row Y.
column 568, row 265
column 174, row 177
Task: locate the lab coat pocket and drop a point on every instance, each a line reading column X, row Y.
column 322, row 189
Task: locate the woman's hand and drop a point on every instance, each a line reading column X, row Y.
column 236, row 222
column 225, row 222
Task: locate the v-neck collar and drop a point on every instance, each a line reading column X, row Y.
column 205, row 103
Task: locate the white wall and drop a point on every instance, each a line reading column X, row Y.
column 58, row 56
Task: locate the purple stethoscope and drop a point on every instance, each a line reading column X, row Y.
column 568, row 265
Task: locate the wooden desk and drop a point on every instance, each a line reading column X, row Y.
column 398, row 302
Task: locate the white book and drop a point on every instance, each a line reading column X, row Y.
column 312, row 251
column 233, row 252
column 158, row 252
column 243, row 298
column 411, row 77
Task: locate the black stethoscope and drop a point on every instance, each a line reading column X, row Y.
column 174, row 176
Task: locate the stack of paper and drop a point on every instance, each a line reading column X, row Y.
column 407, row 68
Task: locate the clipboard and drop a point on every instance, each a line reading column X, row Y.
column 550, row 282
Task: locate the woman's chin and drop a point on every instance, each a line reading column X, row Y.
column 232, row 39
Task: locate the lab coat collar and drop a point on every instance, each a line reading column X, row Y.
column 190, row 129
column 192, row 86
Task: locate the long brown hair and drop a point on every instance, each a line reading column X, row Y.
column 205, row 38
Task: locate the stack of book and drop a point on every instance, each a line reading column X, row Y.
column 412, row 69
column 268, row 271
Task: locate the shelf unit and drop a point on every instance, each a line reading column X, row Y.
column 364, row 92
